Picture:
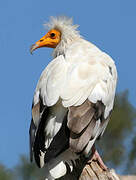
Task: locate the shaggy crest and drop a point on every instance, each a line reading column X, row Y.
column 69, row 32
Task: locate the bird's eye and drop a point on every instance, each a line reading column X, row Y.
column 52, row 35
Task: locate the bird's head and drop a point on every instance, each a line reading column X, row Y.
column 51, row 39
column 61, row 32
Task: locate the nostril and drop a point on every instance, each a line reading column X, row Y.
column 41, row 40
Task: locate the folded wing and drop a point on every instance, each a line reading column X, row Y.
column 87, row 90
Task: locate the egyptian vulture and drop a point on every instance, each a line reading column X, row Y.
column 72, row 101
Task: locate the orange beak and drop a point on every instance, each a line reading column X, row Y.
column 47, row 41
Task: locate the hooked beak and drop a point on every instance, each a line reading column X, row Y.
column 41, row 43
column 33, row 47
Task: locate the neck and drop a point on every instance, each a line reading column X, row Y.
column 64, row 44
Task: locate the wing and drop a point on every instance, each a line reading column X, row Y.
column 86, row 123
column 59, row 143
column 46, row 95
column 94, row 79
column 51, row 81
column 82, row 126
column 36, row 132
column 87, row 89
column 94, row 85
column 88, row 92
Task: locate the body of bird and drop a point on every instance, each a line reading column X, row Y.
column 73, row 98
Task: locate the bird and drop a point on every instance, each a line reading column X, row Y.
column 73, row 99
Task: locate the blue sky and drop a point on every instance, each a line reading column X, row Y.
column 111, row 25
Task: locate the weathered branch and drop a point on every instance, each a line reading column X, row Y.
column 127, row 177
column 91, row 171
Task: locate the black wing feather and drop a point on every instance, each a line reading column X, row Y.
column 59, row 143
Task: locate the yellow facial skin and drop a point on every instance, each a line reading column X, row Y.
column 51, row 39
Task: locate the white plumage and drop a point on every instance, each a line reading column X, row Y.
column 80, row 75
column 79, row 71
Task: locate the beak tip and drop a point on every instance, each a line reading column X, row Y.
column 31, row 52
column 32, row 48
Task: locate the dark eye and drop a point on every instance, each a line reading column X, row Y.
column 52, row 35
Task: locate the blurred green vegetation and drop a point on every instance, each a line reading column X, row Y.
column 28, row 171
column 6, row 174
column 117, row 146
